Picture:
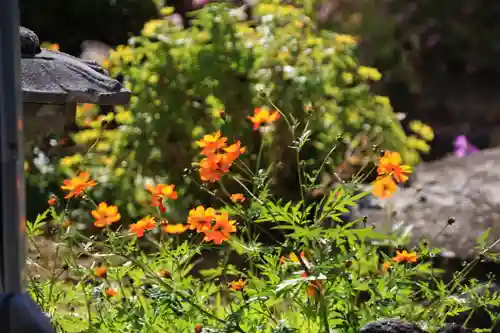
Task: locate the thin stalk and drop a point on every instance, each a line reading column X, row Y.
column 297, row 151
column 257, row 166
column 325, row 315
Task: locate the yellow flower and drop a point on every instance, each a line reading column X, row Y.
column 346, row 39
column 293, row 257
column 347, row 77
column 150, row 27
column 422, row 129
column 107, row 160
column 369, row 73
column 382, row 100
column 71, row 160
column 124, row 117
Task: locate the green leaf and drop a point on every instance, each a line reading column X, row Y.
column 481, row 240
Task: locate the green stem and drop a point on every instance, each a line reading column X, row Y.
column 325, row 314
column 178, row 293
column 257, row 166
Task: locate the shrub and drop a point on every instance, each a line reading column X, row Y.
column 213, row 75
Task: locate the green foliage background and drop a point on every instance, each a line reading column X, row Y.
column 182, row 78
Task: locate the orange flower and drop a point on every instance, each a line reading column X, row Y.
column 233, row 152
column 105, row 215
column 52, row 200
column 201, row 218
column 77, row 185
column 390, row 164
column 314, row 287
column 263, row 115
column 221, row 229
column 136, row 229
column 161, row 192
column 101, row 271
column 210, row 143
column 164, row 273
column 237, row 285
column 175, row 229
column 212, row 169
column 110, row 292
column 237, row 197
column 218, row 156
column 53, row 47
column 386, row 265
column 384, row 187
column 197, row 328
column 404, row 256
column 85, row 111
column 146, row 223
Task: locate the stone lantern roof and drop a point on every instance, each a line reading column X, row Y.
column 52, row 77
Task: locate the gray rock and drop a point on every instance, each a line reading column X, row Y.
column 391, row 326
column 465, row 191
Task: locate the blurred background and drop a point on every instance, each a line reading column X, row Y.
column 439, row 59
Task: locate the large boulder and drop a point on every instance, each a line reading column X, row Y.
column 449, row 203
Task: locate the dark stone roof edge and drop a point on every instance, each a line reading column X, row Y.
column 114, row 98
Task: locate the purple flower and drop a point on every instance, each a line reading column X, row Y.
column 200, row 3
column 463, row 147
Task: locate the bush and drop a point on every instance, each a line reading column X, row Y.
column 213, row 75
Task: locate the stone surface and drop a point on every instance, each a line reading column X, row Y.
column 398, row 326
column 466, row 189
column 391, row 326
column 51, row 77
